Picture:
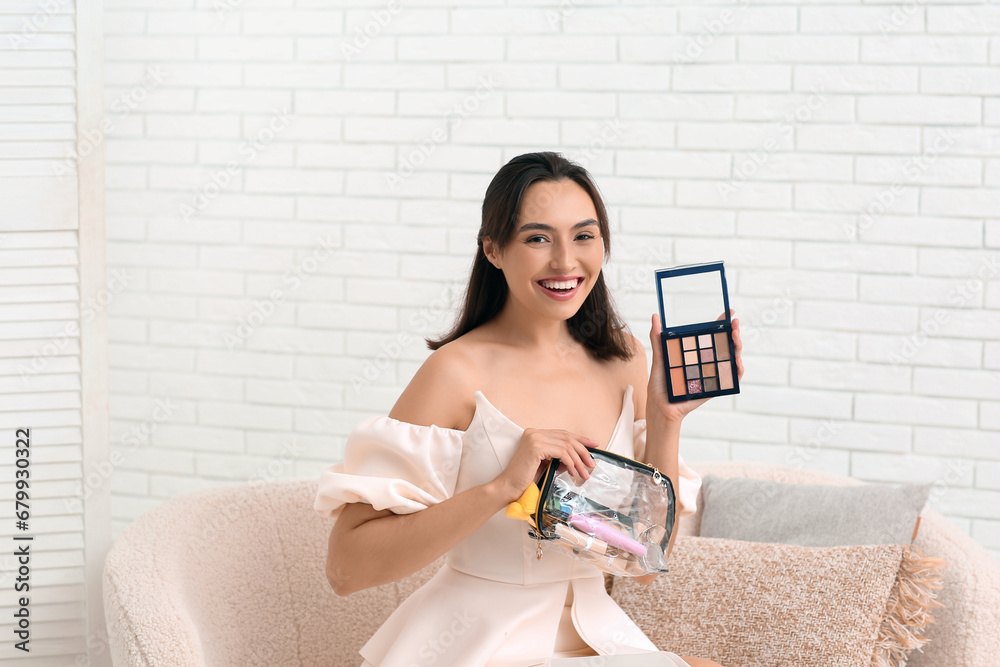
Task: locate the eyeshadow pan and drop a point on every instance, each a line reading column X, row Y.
column 691, row 357
column 705, row 340
column 708, row 370
column 674, row 351
column 677, row 381
column 688, row 342
column 726, row 375
column 694, row 386
column 722, row 345
column 711, row 384
column 691, row 372
column 708, row 355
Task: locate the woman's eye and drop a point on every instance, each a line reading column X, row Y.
column 535, row 240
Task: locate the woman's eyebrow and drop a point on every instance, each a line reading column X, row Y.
column 548, row 228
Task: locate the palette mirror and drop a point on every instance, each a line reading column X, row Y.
column 694, row 298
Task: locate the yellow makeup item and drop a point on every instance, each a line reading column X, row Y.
column 523, row 507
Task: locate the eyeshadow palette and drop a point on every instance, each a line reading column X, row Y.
column 697, row 332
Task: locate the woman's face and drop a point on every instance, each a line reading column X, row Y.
column 555, row 256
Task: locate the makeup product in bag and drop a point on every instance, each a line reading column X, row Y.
column 579, row 540
column 595, row 520
column 604, row 531
column 696, row 332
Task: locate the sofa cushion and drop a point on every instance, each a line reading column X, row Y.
column 747, row 604
column 818, row 515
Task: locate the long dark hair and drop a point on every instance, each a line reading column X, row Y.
column 596, row 324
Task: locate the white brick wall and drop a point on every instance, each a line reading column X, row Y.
column 844, row 160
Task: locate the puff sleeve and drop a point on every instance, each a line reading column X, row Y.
column 392, row 465
column 689, row 481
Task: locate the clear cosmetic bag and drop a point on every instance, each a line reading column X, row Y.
column 618, row 519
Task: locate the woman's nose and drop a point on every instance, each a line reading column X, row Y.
column 562, row 255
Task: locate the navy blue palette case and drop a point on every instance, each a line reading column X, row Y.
column 696, row 332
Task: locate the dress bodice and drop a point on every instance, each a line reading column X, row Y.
column 511, row 603
column 501, row 548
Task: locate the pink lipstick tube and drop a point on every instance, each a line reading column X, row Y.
column 602, row 530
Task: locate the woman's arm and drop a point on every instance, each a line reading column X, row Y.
column 663, row 418
column 662, row 445
column 662, row 434
column 369, row 547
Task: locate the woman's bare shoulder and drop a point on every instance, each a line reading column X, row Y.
column 442, row 390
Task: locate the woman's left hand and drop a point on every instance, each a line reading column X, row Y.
column 656, row 392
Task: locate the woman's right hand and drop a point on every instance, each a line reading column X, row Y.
column 533, row 452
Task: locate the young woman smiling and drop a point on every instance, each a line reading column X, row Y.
column 538, row 366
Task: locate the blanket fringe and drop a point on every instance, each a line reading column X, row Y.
column 908, row 607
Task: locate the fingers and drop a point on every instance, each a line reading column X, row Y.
column 575, row 462
column 738, row 343
column 539, row 446
column 570, row 449
column 654, row 339
column 583, row 460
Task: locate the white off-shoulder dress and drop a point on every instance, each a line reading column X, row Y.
column 493, row 603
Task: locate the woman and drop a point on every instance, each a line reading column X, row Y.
column 538, row 335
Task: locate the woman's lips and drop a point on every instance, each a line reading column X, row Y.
column 557, row 294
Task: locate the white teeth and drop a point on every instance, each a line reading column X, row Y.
column 558, row 284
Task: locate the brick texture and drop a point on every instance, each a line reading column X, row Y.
column 296, row 188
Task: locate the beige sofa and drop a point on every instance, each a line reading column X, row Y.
column 234, row 575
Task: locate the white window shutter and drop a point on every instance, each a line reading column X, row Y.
column 53, row 350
